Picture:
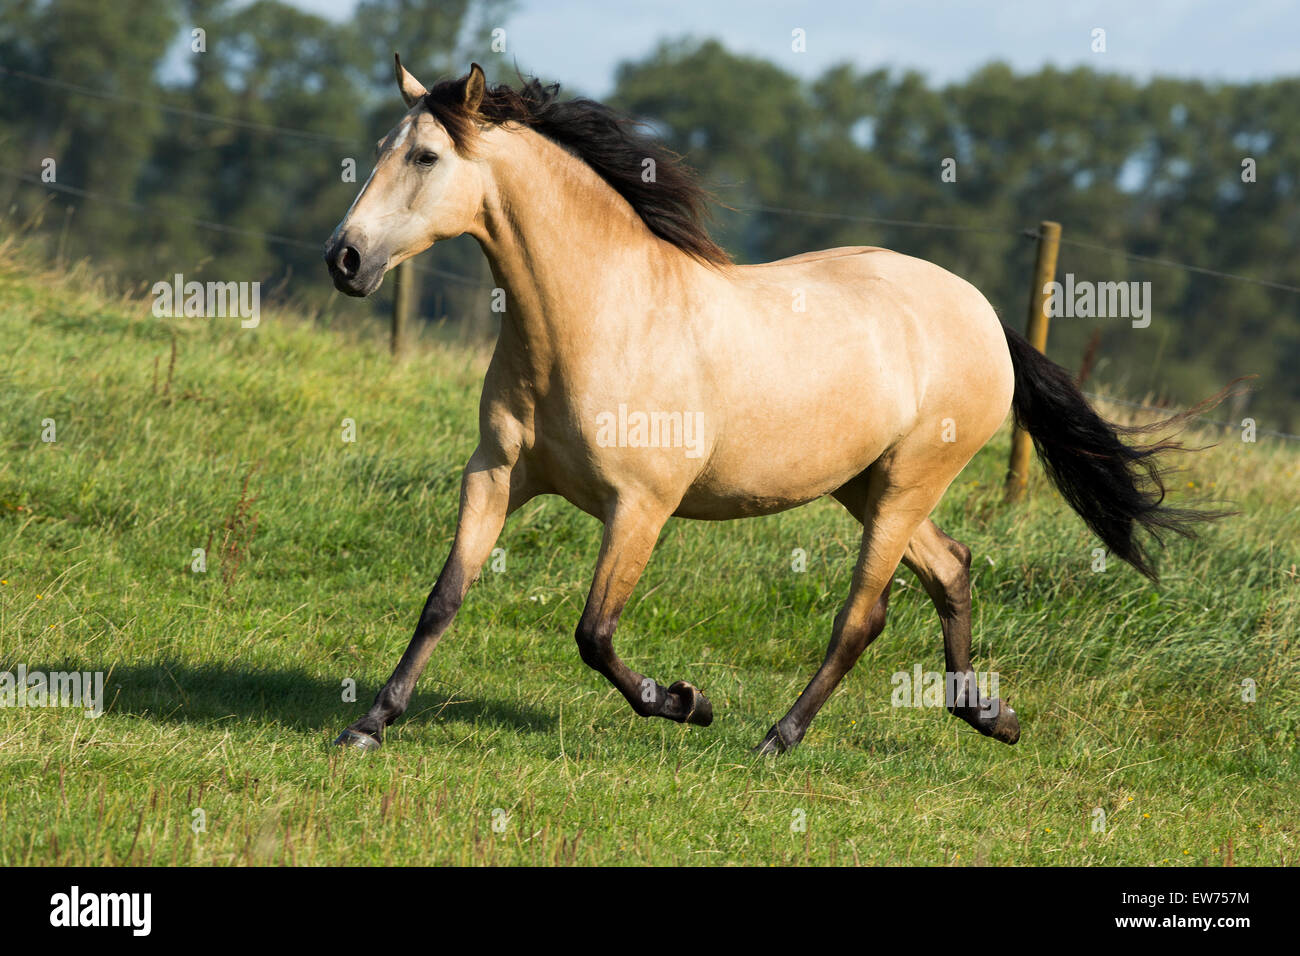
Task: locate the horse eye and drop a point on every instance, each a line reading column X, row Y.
column 426, row 159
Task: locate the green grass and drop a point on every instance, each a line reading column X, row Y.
column 225, row 688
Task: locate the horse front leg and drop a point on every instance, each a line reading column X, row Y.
column 630, row 537
column 486, row 499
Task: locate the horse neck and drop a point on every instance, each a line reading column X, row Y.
column 559, row 239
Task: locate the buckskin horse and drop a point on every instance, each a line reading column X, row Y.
column 859, row 373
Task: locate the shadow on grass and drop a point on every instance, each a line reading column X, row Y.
column 172, row 691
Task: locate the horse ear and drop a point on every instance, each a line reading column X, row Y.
column 409, row 85
column 475, row 87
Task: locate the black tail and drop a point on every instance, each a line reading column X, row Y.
column 1112, row 485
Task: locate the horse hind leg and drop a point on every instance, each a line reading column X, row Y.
column 943, row 566
column 889, row 510
column 851, row 635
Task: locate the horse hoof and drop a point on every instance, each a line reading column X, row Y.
column 696, row 706
column 355, row 739
column 992, row 718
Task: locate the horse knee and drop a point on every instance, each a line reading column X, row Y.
column 876, row 619
column 595, row 643
column 875, row 622
column 439, row 610
column 596, row 648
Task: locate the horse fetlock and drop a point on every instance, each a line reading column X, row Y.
column 1006, row 726
column 778, row 741
column 390, row 703
column 685, row 704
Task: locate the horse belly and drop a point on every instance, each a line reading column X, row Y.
column 784, row 445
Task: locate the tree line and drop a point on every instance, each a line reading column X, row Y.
column 1140, row 174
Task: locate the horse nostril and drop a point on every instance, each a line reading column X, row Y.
column 349, row 261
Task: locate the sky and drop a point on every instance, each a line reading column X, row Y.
column 581, row 42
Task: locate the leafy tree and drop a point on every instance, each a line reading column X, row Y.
column 252, row 135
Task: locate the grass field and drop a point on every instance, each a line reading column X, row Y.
column 225, row 688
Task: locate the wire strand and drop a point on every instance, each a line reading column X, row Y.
column 177, row 110
column 210, row 224
column 910, row 223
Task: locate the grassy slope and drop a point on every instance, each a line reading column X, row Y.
column 225, row 693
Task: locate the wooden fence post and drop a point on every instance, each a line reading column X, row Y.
column 1049, row 241
column 403, row 296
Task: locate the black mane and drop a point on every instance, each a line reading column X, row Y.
column 673, row 205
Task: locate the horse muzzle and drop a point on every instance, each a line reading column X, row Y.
column 356, row 271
